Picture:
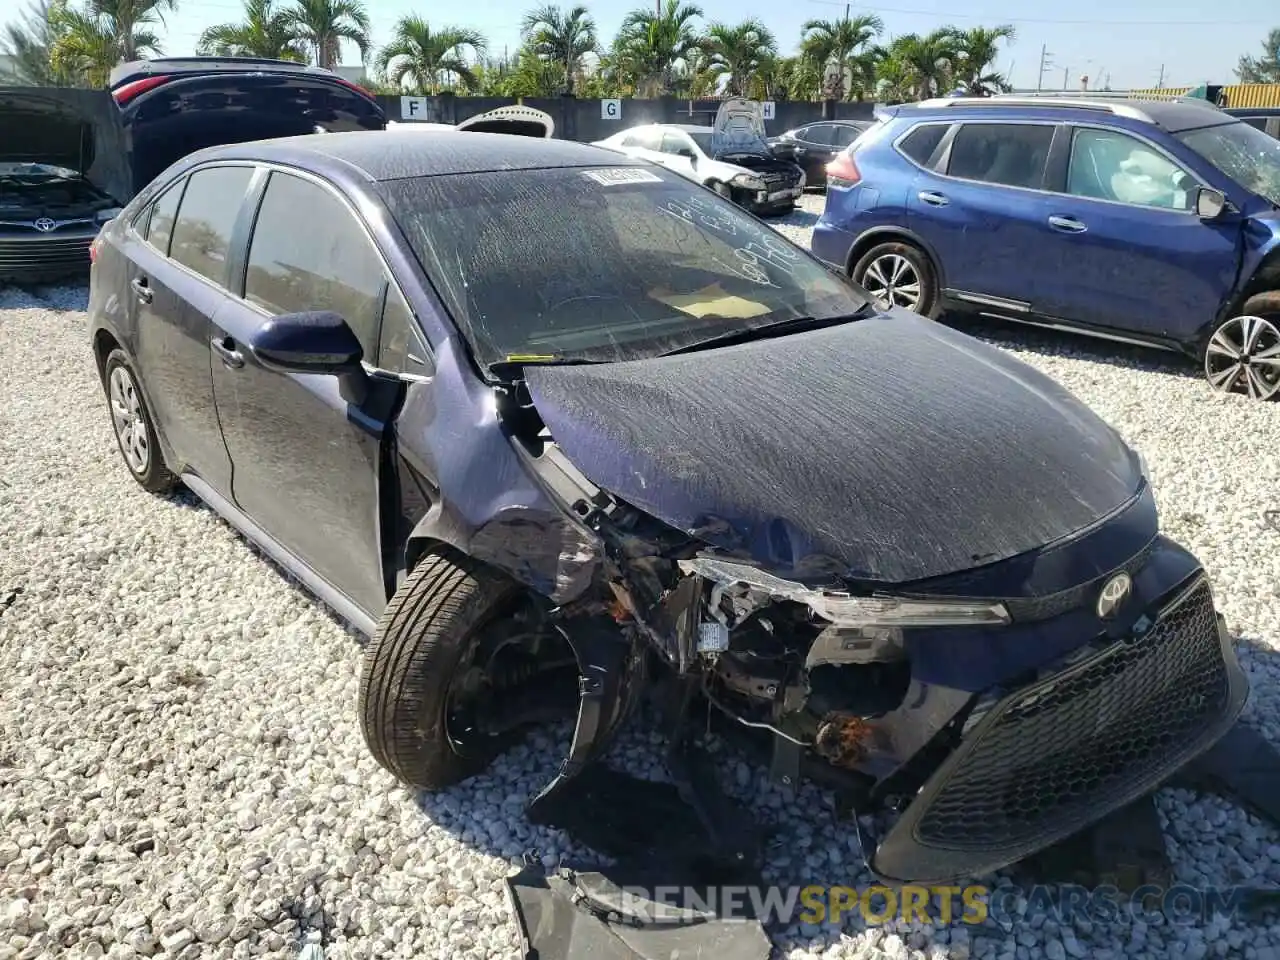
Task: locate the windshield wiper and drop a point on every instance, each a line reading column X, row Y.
column 778, row 328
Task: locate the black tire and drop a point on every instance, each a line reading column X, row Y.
column 1225, row 374
column 723, row 189
column 927, row 305
column 154, row 476
column 422, row 640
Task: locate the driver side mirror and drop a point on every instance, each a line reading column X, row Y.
column 1210, row 203
column 313, row 342
column 687, row 154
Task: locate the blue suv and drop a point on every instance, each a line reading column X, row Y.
column 1151, row 222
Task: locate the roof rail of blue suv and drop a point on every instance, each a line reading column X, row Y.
column 1134, row 220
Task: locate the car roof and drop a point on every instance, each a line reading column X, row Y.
column 682, row 127
column 400, row 153
column 171, row 66
column 1173, row 115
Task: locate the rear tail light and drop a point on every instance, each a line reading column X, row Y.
column 133, row 89
column 93, row 248
column 842, row 171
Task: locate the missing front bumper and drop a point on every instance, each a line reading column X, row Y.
column 1056, row 756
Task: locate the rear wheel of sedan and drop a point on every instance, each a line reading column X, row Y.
column 134, row 429
column 1243, row 353
column 441, row 674
column 898, row 275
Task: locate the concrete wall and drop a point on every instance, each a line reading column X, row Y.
column 588, row 120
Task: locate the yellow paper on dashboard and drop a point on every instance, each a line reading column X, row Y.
column 712, row 301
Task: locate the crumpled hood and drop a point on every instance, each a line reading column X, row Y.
column 890, row 449
column 739, row 128
column 76, row 129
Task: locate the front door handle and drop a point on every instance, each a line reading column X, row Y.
column 1067, row 224
column 141, row 290
column 933, row 199
column 225, row 347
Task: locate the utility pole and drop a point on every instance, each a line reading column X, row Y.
column 1160, row 82
column 1046, row 61
column 1066, row 78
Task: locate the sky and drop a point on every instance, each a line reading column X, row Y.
column 1132, row 41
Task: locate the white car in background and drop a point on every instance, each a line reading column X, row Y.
column 731, row 157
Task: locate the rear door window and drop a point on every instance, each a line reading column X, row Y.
column 309, row 252
column 821, row 134
column 843, row 136
column 164, row 211
column 207, row 215
column 1009, row 154
column 921, row 142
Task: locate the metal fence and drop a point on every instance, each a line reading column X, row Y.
column 587, row 120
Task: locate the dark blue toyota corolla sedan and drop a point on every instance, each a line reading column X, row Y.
column 554, row 427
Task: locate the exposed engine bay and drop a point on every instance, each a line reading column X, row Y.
column 29, row 191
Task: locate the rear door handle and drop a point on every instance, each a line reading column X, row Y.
column 141, row 290
column 933, row 199
column 1067, row 224
column 225, row 347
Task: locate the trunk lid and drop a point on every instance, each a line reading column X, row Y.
column 171, row 107
column 739, row 129
column 78, row 130
column 887, row 450
column 515, row 119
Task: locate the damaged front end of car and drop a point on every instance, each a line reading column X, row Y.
column 997, row 709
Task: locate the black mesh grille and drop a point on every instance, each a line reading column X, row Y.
column 1053, row 753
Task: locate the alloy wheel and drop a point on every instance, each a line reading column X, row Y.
column 1245, row 352
column 893, row 281
column 129, row 421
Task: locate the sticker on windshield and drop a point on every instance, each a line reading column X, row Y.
column 618, row 175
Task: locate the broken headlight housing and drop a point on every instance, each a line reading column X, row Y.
column 747, row 181
column 844, row 609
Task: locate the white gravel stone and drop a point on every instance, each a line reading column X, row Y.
column 182, row 774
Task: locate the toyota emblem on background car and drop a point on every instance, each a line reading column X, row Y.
column 1114, row 593
column 45, row 225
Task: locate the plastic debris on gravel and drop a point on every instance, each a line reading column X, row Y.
column 182, row 775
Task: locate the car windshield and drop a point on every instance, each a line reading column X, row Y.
column 602, row 263
column 1245, row 154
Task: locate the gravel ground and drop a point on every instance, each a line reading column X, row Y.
column 181, row 774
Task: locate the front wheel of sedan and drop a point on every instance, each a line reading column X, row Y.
column 898, row 275
column 1243, row 353
column 135, row 432
column 439, row 692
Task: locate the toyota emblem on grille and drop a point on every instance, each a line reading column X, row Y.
column 44, row 225
column 1114, row 593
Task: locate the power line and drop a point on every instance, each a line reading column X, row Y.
column 1161, row 22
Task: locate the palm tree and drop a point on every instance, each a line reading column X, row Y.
column 95, row 38
column 919, row 67
column 419, row 55
column 561, row 38
column 739, row 52
column 28, row 43
column 651, row 43
column 324, row 24
column 977, row 50
column 265, row 32
column 835, row 43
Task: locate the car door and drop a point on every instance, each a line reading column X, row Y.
column 984, row 209
column 307, row 448
column 176, row 297
column 678, row 154
column 1121, row 245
